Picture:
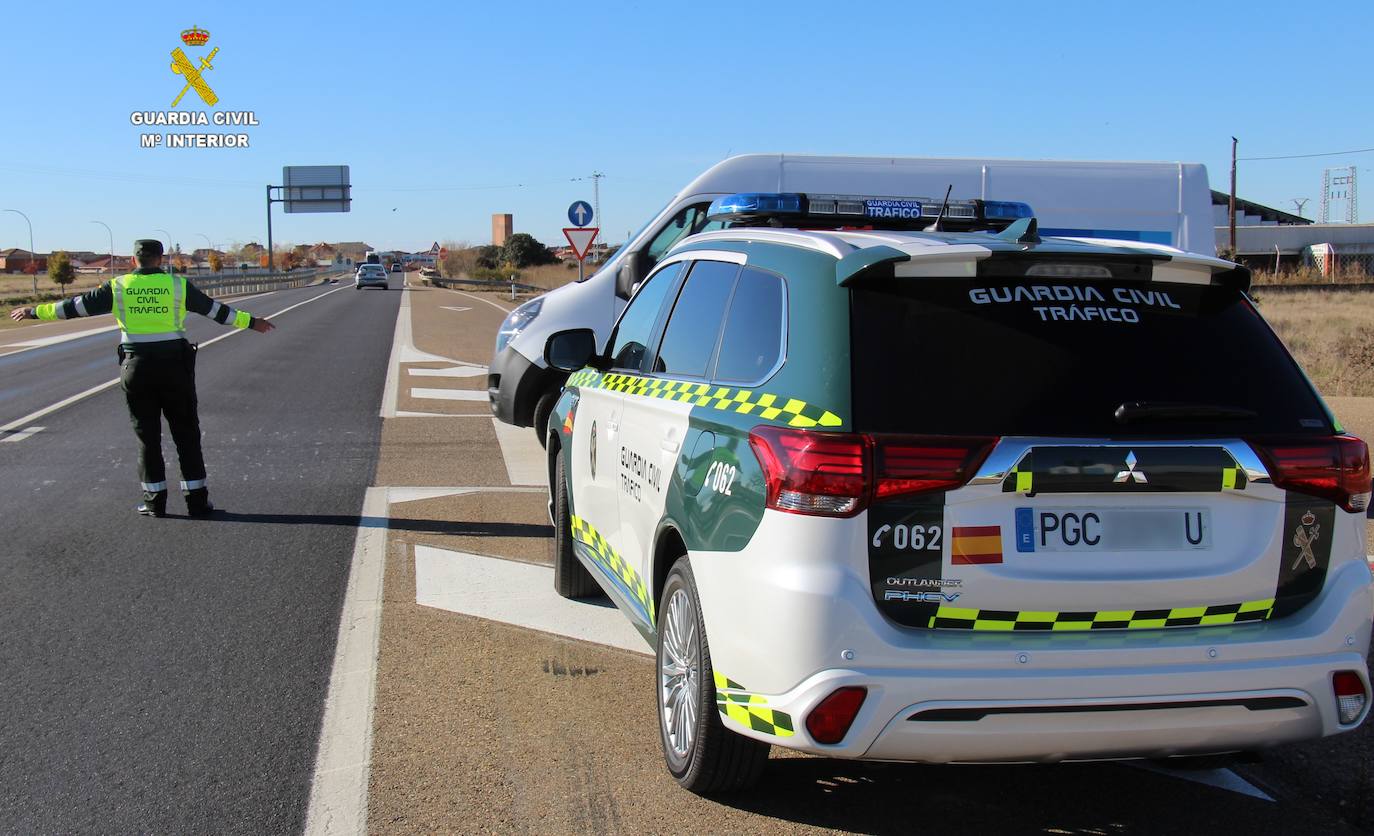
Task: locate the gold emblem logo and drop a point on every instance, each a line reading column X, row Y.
column 182, row 66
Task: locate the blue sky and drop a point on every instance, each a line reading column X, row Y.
column 450, row 112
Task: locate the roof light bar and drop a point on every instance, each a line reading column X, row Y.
column 751, row 208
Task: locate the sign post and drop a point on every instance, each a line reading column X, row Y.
column 580, row 239
column 309, row 188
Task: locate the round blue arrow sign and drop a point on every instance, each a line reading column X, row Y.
column 580, row 213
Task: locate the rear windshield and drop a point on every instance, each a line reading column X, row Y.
column 1058, row 359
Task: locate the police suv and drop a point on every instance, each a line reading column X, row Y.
column 879, row 491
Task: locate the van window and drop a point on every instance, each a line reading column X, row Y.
column 752, row 343
column 688, row 221
column 636, row 324
column 690, row 338
column 986, row 358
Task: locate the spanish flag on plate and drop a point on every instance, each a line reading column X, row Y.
column 976, row 544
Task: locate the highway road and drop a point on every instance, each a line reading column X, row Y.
column 368, row 639
column 168, row 675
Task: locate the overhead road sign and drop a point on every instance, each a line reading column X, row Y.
column 316, row 188
column 580, row 213
column 580, row 239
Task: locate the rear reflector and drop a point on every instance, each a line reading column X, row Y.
column 829, row 721
column 1335, row 468
column 1350, row 696
column 838, row 474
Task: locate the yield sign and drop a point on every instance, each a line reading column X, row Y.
column 580, row 239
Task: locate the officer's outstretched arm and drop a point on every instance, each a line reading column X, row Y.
column 91, row 303
column 198, row 302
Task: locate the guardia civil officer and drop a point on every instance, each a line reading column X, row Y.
column 157, row 366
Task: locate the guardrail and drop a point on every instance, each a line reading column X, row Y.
column 233, row 284
column 490, row 283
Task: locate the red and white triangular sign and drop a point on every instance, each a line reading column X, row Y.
column 580, row 239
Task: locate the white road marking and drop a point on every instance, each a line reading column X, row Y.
column 60, row 338
column 460, row 371
column 403, row 350
column 22, row 434
column 338, row 789
column 515, row 593
column 526, row 463
column 397, row 495
column 501, row 308
column 1223, row 779
column 473, row 395
column 80, row 396
column 454, row 308
column 405, row 414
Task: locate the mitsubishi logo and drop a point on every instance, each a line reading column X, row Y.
column 1130, row 474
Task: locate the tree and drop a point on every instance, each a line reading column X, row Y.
column 302, row 256
column 216, row 262
column 522, row 250
column 60, row 269
column 490, row 256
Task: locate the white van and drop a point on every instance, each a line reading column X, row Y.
column 1156, row 203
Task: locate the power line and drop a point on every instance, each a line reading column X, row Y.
column 1308, row 156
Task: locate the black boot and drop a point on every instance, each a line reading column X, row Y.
column 198, row 503
column 153, row 504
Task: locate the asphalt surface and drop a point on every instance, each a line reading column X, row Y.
column 169, row 675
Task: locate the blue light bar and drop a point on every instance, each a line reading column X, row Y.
column 1006, row 210
column 756, row 203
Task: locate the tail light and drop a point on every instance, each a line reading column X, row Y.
column 1350, row 696
column 838, row 474
column 824, row 474
column 829, row 721
column 1335, row 468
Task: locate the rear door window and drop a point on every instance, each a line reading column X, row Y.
column 694, row 325
column 1058, row 359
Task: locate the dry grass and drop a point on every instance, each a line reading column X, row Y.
column 1330, row 334
column 1311, row 275
column 18, row 289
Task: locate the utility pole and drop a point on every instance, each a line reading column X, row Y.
column 1299, row 202
column 1233, row 196
column 596, row 207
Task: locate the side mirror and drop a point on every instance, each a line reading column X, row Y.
column 569, row 351
column 628, row 275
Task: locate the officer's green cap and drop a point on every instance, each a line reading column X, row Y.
column 147, row 247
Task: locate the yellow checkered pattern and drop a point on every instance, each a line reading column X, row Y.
column 1008, row 620
column 611, row 561
column 750, row 709
column 769, row 407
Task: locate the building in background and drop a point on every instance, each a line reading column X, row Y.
column 502, row 227
column 1271, row 239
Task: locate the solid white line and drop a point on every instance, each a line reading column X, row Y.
column 395, row 495
column 79, row 396
column 501, row 308
column 59, row 338
column 524, row 458
column 515, row 593
column 405, row 414
column 1223, row 779
column 471, row 395
column 23, row 434
column 338, row 789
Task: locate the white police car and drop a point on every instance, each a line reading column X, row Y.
column 968, row 496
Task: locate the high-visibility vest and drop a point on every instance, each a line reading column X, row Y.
column 150, row 307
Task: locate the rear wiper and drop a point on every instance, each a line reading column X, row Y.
column 1171, row 411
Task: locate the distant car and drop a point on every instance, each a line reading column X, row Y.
column 396, row 267
column 370, row 275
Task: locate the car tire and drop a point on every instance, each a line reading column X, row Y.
column 702, row 755
column 570, row 578
column 542, row 410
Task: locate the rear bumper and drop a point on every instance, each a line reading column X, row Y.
column 990, row 715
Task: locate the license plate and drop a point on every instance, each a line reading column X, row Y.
column 1112, row 529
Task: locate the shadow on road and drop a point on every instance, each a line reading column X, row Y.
column 456, row 527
